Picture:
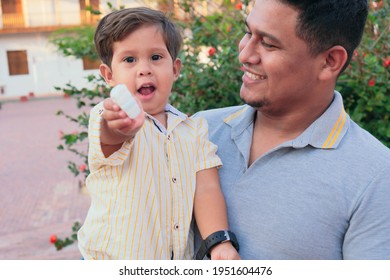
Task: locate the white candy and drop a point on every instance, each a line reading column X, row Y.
column 124, row 99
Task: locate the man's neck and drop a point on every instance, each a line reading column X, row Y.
column 271, row 130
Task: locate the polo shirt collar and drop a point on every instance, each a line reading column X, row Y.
column 324, row 133
column 329, row 129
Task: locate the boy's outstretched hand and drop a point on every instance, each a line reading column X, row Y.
column 116, row 126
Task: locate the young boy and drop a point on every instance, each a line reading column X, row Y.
column 149, row 173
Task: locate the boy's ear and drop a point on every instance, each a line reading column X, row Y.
column 106, row 73
column 333, row 62
column 176, row 68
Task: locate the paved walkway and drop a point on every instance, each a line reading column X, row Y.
column 39, row 196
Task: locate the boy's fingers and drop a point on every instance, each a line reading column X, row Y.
column 120, row 124
column 108, row 104
column 109, row 115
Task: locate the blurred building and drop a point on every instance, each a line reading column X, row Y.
column 29, row 64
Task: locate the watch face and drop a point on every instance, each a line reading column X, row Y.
column 227, row 236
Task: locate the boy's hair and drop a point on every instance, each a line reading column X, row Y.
column 117, row 25
column 323, row 24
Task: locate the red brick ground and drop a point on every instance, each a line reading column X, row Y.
column 38, row 194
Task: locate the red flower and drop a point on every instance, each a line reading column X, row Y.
column 376, row 5
column 371, row 82
column 386, row 62
column 239, row 6
column 61, row 134
column 82, row 167
column 53, row 238
column 212, row 51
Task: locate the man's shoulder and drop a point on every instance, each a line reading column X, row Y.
column 361, row 144
column 219, row 113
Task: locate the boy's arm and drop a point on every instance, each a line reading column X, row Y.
column 210, row 211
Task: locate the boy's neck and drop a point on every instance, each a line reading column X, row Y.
column 162, row 118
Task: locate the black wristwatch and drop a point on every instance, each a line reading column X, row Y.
column 214, row 239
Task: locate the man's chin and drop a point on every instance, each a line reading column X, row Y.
column 257, row 104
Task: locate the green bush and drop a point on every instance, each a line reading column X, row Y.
column 365, row 83
column 215, row 80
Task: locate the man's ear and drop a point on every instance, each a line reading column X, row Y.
column 176, row 68
column 333, row 62
column 106, row 73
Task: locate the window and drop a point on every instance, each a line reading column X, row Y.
column 86, row 16
column 86, row 3
column 17, row 62
column 12, row 13
column 90, row 64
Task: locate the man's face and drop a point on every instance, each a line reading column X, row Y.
column 279, row 71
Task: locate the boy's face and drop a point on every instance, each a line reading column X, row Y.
column 142, row 62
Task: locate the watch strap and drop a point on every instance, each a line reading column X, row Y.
column 214, row 239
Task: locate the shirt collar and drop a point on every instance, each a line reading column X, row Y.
column 174, row 118
column 326, row 132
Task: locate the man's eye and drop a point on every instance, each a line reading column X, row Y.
column 156, row 57
column 248, row 33
column 267, row 45
column 129, row 59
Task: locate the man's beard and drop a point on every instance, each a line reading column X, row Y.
column 256, row 104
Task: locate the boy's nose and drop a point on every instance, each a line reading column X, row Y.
column 145, row 72
column 144, row 69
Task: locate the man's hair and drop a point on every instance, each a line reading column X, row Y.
column 323, row 24
column 117, row 25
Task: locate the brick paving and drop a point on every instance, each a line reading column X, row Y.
column 39, row 196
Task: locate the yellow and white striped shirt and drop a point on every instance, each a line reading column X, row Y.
column 142, row 195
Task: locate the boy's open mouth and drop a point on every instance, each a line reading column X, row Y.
column 146, row 89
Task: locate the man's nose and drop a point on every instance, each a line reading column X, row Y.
column 248, row 52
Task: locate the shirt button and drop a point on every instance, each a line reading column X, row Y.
column 169, row 137
column 174, row 179
column 176, row 227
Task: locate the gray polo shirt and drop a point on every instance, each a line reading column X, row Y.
column 323, row 195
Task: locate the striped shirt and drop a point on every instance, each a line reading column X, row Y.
column 142, row 195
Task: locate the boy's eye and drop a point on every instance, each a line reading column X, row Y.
column 156, row 57
column 129, row 59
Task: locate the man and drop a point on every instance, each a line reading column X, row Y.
column 300, row 178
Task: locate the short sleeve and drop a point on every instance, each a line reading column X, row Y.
column 96, row 158
column 368, row 235
column 207, row 151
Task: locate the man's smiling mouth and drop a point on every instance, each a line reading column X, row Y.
column 254, row 76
